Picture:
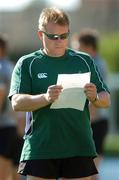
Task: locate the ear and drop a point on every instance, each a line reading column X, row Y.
column 40, row 35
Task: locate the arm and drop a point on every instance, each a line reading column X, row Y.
column 26, row 102
column 2, row 96
column 100, row 100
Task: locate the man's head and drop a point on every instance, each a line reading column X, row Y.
column 52, row 15
column 3, row 46
column 89, row 41
column 54, row 31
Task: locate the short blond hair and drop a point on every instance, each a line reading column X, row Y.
column 54, row 15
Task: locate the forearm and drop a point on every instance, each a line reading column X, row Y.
column 26, row 102
column 102, row 100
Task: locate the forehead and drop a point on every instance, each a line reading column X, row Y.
column 56, row 28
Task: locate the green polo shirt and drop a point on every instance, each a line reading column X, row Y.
column 55, row 133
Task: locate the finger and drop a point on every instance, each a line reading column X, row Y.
column 89, row 85
column 55, row 87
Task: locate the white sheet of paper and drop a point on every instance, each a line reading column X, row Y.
column 73, row 95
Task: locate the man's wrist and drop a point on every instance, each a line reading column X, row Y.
column 96, row 98
column 47, row 99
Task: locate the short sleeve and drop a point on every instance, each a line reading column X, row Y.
column 97, row 79
column 21, row 80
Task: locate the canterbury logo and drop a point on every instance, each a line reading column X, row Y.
column 42, row 75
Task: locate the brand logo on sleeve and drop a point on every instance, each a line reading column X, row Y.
column 42, row 75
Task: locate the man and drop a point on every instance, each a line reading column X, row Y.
column 58, row 142
column 10, row 142
column 89, row 42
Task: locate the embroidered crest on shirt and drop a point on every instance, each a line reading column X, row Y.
column 42, row 75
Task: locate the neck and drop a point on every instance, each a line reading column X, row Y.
column 52, row 55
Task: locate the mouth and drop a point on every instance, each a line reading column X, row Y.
column 58, row 46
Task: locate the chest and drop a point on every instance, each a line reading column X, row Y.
column 45, row 74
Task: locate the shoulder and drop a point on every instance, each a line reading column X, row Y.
column 6, row 67
column 9, row 64
column 80, row 55
column 6, row 62
column 29, row 58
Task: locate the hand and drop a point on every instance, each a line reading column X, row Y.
column 53, row 93
column 90, row 91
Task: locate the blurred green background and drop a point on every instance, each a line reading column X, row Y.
column 109, row 48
